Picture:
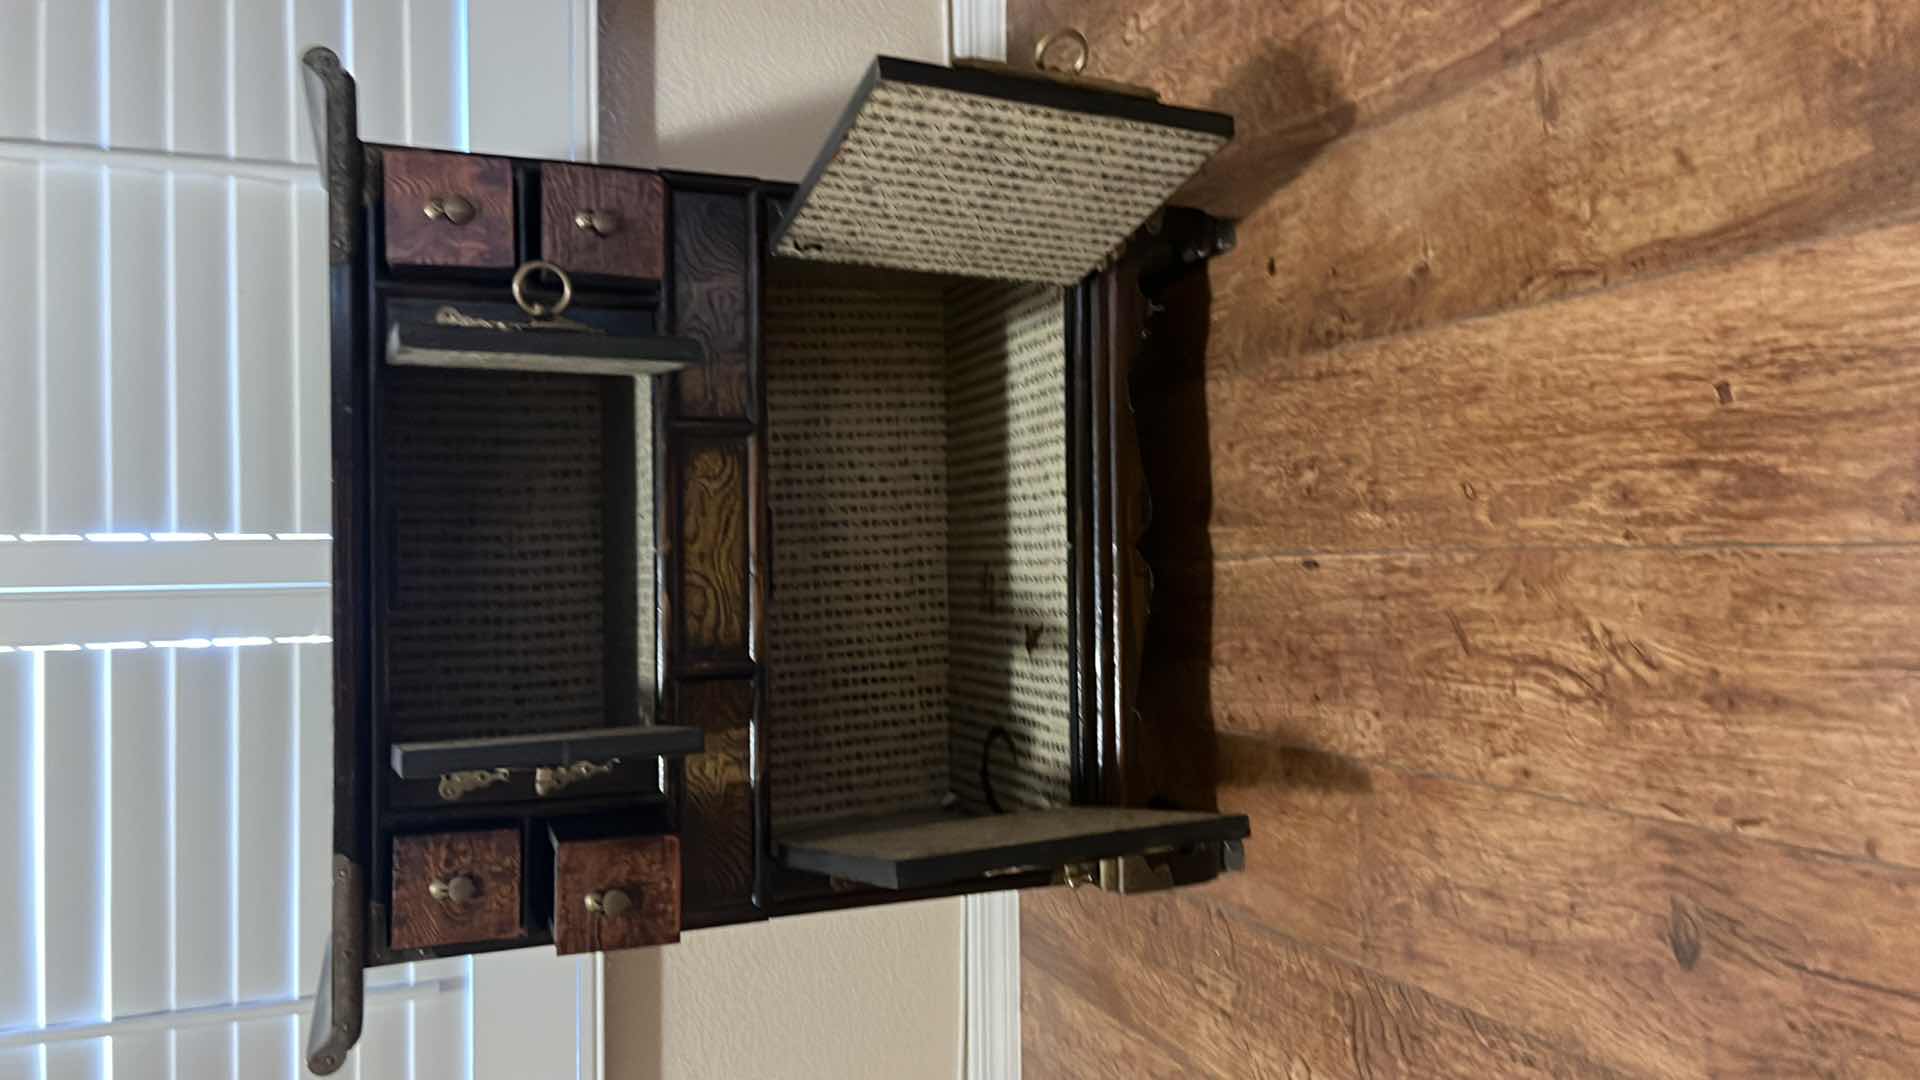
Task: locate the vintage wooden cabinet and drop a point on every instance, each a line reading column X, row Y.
column 710, row 549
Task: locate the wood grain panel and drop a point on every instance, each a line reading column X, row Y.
column 1672, row 133
column 1766, row 692
column 1771, row 399
column 645, row 868
column 637, row 204
column 491, row 860
column 713, row 549
column 1655, row 948
column 1201, row 992
column 1296, row 76
column 717, row 815
column 413, row 177
column 712, row 302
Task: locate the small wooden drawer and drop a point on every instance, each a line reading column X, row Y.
column 448, row 209
column 603, row 221
column 615, row 893
column 456, row 889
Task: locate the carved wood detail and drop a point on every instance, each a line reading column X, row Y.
column 630, row 211
column 713, row 586
column 645, row 870
column 711, row 302
column 717, row 817
column 414, row 178
column 490, row 863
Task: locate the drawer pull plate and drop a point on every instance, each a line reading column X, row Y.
column 610, row 904
column 458, row 890
column 597, row 222
column 452, row 209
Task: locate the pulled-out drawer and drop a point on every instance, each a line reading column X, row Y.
column 456, row 888
column 615, row 893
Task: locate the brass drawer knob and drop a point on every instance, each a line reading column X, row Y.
column 597, row 222
column 610, row 904
column 452, row 209
column 459, row 890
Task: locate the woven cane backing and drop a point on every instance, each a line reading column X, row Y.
column 947, row 182
column 917, row 486
column 495, row 486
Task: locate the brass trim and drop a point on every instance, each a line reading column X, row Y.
column 553, row 779
column 457, row 785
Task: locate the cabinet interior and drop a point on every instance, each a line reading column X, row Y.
column 919, row 640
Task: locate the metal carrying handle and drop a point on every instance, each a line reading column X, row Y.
column 1083, row 54
column 452, row 209
column 536, row 308
column 597, row 222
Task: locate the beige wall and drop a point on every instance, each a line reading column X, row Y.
column 745, row 86
column 870, row 993
column 755, row 88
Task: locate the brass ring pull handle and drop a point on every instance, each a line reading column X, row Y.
column 1083, row 52
column 458, row 890
column 610, row 904
column 597, row 222
column 452, row 209
column 536, row 308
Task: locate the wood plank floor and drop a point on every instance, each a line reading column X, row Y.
column 1538, row 549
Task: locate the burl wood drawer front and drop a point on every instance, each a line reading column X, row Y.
column 456, row 889
column 603, row 221
column 448, row 209
column 616, row 894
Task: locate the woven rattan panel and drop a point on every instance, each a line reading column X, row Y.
column 946, row 182
column 1007, row 585
column 496, row 490
column 857, row 490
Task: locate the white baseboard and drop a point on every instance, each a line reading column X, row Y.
column 993, row 986
column 980, row 29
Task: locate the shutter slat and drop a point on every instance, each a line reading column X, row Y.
column 20, row 337
column 200, row 353
column 265, row 359
column 267, row 1048
column 432, row 74
column 265, row 828
column 137, row 79
column 19, row 978
column 383, row 1050
column 198, row 105
column 311, row 386
column 78, row 1060
column 77, row 436
column 74, row 111
column 315, row 749
column 203, row 881
column 137, row 341
column 529, row 117
column 20, row 71
column 205, row 1053
column 262, row 63
column 379, row 69
column 143, row 1055
column 142, row 925
column 440, row 1039
column 74, row 787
